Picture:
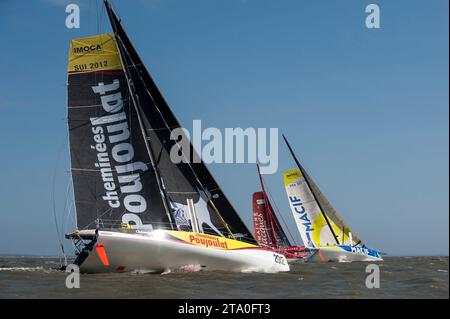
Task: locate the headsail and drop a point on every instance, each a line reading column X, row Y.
column 307, row 214
column 268, row 230
column 113, row 180
column 317, row 220
column 342, row 230
column 265, row 219
column 264, row 232
column 185, row 180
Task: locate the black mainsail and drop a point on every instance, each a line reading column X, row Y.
column 143, row 120
column 113, row 179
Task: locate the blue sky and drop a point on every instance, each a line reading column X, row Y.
column 366, row 110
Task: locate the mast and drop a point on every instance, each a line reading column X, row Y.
column 314, row 195
column 138, row 111
column 185, row 179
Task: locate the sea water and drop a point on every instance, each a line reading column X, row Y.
column 400, row 277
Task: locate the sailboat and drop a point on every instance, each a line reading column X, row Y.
column 137, row 209
column 322, row 229
column 267, row 228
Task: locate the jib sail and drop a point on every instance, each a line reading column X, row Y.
column 264, row 233
column 318, row 222
column 342, row 229
column 307, row 214
column 268, row 231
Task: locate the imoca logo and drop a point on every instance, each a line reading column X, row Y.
column 87, row 49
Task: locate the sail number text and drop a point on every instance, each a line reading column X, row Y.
column 90, row 66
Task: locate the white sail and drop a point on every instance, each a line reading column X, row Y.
column 310, row 220
column 343, row 228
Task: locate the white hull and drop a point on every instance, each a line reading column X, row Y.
column 157, row 252
column 337, row 254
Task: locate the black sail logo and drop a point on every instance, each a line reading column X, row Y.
column 121, row 176
column 87, row 49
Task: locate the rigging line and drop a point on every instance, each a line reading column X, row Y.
column 179, row 147
column 67, row 139
column 55, row 218
column 63, row 221
column 279, row 214
column 101, row 17
column 68, row 206
column 98, row 19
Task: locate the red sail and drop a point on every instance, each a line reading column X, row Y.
column 268, row 231
column 264, row 233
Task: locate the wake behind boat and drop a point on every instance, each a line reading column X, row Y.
column 136, row 208
column 322, row 229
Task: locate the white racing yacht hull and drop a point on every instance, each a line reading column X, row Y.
column 344, row 253
column 160, row 251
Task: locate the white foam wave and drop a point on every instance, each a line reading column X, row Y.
column 184, row 269
column 259, row 270
column 21, row 268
